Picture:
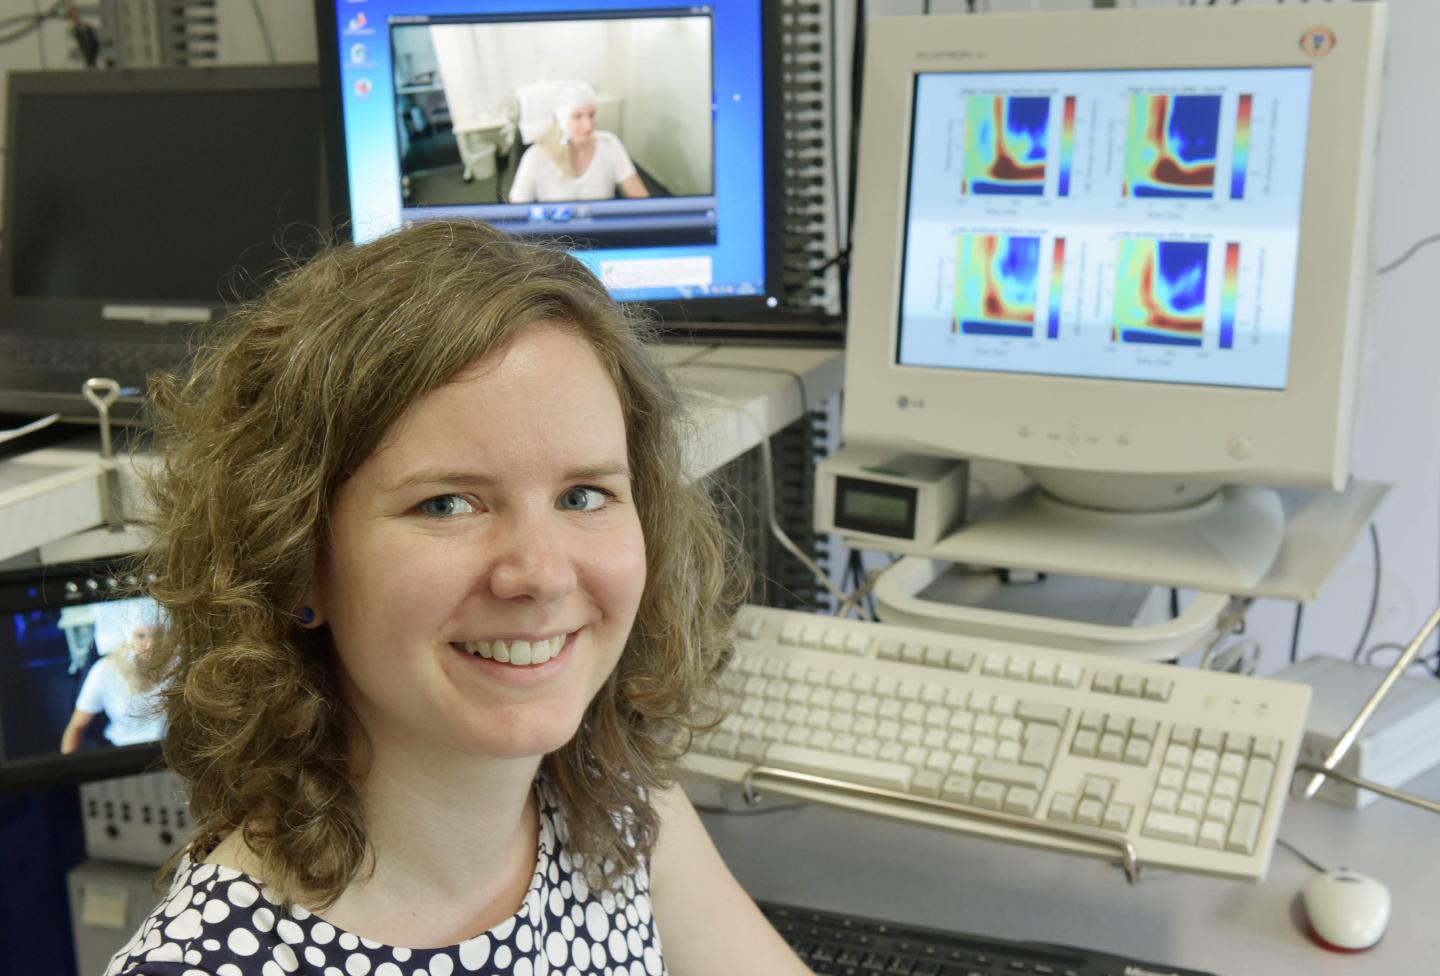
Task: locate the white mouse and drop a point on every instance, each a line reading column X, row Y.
column 1346, row 910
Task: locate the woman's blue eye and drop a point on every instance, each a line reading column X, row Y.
column 443, row 506
column 583, row 499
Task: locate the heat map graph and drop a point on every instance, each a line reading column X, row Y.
column 1172, row 145
column 996, row 283
column 1006, row 145
column 1160, row 292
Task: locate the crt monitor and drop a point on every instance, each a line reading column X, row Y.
column 72, row 705
column 1124, row 249
column 640, row 133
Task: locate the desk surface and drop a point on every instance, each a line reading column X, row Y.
column 831, row 859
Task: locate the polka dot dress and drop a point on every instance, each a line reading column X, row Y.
column 216, row 921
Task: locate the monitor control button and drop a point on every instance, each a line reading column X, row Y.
column 1240, row 448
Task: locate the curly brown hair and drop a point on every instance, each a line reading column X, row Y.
column 254, row 443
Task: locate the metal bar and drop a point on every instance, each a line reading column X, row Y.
column 1373, row 787
column 1346, row 740
column 1234, row 614
column 1130, row 858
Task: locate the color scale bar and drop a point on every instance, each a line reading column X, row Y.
column 1067, row 144
column 1011, row 329
column 1241, row 157
column 1229, row 292
column 1057, row 272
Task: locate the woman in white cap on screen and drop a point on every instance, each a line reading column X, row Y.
column 574, row 160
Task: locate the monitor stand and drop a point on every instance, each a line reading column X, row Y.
column 1241, row 541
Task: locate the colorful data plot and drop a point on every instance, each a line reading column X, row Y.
column 1160, row 292
column 996, row 285
column 1229, row 295
column 1005, row 145
column 1240, row 157
column 1057, row 281
column 1171, row 146
column 1067, row 145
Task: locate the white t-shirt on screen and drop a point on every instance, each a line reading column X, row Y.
column 539, row 179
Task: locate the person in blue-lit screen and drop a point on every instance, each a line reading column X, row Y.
column 116, row 688
column 444, row 607
column 574, row 160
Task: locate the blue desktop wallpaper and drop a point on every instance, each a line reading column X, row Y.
column 738, row 257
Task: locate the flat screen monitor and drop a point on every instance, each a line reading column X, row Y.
column 1117, row 245
column 639, row 133
column 156, row 195
column 72, row 706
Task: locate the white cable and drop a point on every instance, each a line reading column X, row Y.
column 768, row 466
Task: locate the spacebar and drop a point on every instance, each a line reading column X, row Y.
column 852, row 769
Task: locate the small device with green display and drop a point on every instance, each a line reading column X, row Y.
column 874, row 494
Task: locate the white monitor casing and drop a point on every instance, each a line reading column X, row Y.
column 1298, row 436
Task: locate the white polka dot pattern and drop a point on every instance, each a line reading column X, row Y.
column 216, row 921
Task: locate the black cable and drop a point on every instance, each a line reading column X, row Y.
column 1174, row 602
column 857, row 78
column 1301, row 855
column 1374, row 595
column 1295, row 633
column 1410, row 253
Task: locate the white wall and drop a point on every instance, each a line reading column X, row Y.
column 667, row 81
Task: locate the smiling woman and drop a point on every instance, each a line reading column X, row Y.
column 443, row 610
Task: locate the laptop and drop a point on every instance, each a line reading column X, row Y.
column 141, row 203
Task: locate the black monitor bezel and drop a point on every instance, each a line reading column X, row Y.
column 740, row 317
column 80, row 317
column 93, row 581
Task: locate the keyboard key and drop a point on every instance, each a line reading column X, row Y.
column 1118, row 724
column 888, row 650
column 1008, row 750
column 935, row 656
column 912, row 653
column 1256, row 786
column 1011, row 774
column 1239, row 743
column 857, row 643
column 886, row 775
column 1205, row 760
column 960, row 742
column 790, row 633
column 1159, row 689
column 1111, row 747
column 1211, row 739
column 1022, row 800
column 1003, row 705
column 1131, row 685
column 1183, row 735
column 1011, row 728
column 989, row 795
column 1212, row 835
column 1169, row 826
column 1177, row 756
column 833, row 640
column 1041, row 743
column 1018, row 669
column 1042, row 712
column 1062, row 806
column 1219, row 809
column 994, row 665
column 1117, row 817
column 1191, row 805
column 1104, row 682
column 1043, row 672
column 1245, row 829
column 1089, row 813
column 1137, row 752
column 1068, row 676
column 1085, row 744
column 1232, row 764
column 1097, row 789
column 1092, row 721
column 927, row 783
column 959, row 660
column 957, row 789
column 1145, row 728
column 1266, row 747
column 964, row 765
column 1164, row 800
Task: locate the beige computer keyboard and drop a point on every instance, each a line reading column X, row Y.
column 1154, row 765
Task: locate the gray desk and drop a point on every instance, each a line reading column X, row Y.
column 830, row 859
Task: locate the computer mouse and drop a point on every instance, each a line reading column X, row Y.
column 1346, row 910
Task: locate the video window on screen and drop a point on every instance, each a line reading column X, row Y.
column 560, row 126
column 69, row 681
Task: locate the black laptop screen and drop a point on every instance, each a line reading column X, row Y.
column 125, row 191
